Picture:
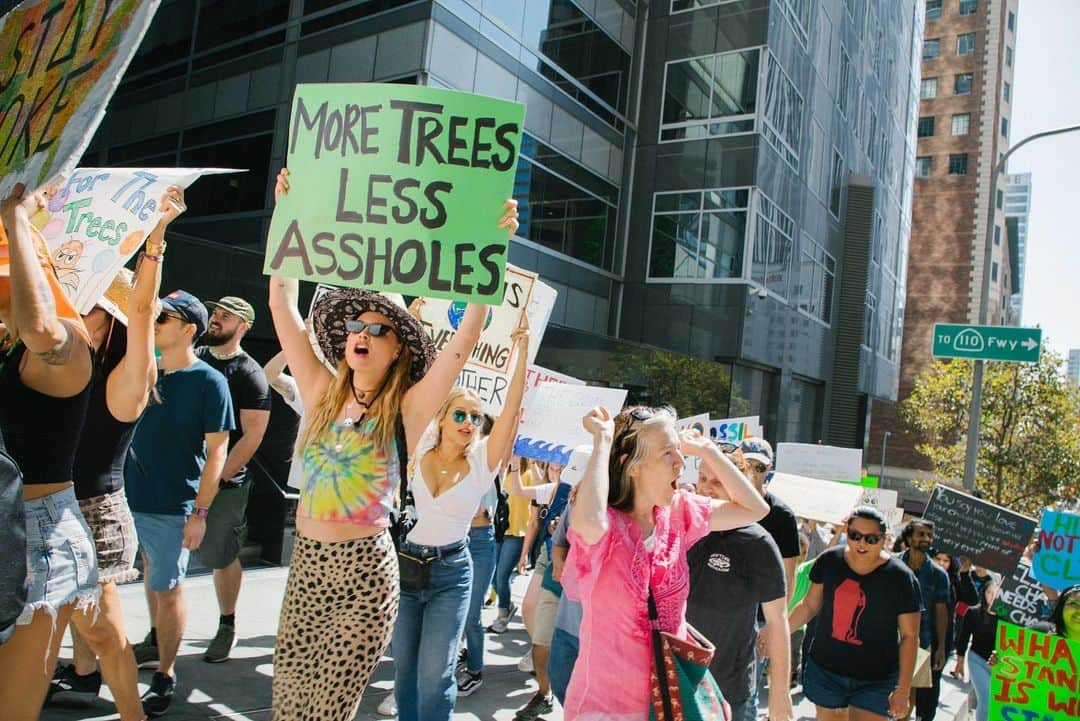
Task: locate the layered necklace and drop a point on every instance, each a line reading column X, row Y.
column 359, row 405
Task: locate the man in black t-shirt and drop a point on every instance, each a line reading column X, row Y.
column 732, row 575
column 226, row 525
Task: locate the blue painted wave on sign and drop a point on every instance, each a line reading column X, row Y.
column 539, row 450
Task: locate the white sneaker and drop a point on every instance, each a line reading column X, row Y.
column 388, row 706
column 526, row 662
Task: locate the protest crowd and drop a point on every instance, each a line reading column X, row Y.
column 415, row 509
column 674, row 572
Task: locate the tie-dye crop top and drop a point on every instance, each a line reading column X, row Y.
column 348, row 478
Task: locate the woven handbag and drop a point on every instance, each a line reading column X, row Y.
column 681, row 688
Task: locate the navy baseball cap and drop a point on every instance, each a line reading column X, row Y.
column 188, row 307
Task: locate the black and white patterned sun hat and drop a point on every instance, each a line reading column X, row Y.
column 333, row 308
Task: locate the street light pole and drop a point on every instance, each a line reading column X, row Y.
column 974, row 416
column 884, row 445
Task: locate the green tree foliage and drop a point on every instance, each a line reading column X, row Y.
column 1029, row 443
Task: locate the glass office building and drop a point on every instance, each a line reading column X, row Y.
column 719, row 190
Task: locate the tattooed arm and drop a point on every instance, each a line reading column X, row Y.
column 33, row 315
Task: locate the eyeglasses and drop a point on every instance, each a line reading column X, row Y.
column 871, row 538
column 475, row 418
column 375, row 330
column 165, row 317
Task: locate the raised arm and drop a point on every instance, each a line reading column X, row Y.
column 590, row 519
column 505, row 427
column 275, row 367
column 52, row 368
column 312, row 377
column 128, row 388
column 746, row 505
column 423, row 400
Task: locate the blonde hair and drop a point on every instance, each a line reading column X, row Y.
column 456, row 394
column 383, row 411
column 628, row 452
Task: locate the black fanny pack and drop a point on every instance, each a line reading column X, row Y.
column 415, row 572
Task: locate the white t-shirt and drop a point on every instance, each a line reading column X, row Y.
column 290, row 393
column 446, row 519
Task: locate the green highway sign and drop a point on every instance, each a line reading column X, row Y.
column 987, row 342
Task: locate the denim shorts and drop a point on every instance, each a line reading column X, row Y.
column 161, row 539
column 831, row 690
column 60, row 562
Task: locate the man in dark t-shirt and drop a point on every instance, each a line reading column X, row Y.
column 226, row 526
column 732, row 575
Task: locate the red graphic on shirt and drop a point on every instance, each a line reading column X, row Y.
column 849, row 602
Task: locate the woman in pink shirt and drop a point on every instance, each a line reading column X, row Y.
column 630, row 530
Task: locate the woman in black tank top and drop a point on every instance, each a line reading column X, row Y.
column 45, row 369
column 125, row 372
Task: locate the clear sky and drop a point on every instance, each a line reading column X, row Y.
column 1046, row 94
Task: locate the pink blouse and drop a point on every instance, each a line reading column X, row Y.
column 611, row 578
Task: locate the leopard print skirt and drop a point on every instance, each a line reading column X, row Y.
column 341, row 601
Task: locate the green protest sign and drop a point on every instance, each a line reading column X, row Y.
column 399, row 188
column 1035, row 678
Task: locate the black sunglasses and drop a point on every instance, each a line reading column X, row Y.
column 164, row 317
column 757, row 466
column 375, row 330
column 475, row 418
column 872, row 538
column 637, row 414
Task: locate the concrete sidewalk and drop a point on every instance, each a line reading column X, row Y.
column 239, row 690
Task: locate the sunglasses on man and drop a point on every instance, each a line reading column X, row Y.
column 165, row 317
column 475, row 418
column 375, row 330
column 871, row 538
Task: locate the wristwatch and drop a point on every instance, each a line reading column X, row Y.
column 200, row 512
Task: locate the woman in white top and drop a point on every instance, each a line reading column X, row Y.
column 452, row 470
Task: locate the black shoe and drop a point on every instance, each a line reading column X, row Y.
column 68, row 687
column 156, row 700
column 538, row 706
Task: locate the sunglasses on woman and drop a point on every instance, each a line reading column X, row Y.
column 375, row 330
column 757, row 466
column 475, row 418
column 871, row 538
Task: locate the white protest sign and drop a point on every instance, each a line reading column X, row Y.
column 535, row 375
column 700, row 423
column 489, row 368
column 886, row 501
column 61, row 63
column 814, row 498
column 829, row 462
column 734, row 430
column 551, row 426
column 99, row 217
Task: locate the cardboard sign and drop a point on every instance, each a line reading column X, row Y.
column 1057, row 562
column 99, row 218
column 1022, row 601
column 991, row 536
column 829, row 462
column 537, row 375
column 815, row 498
column 60, row 64
column 1035, row 677
column 397, row 187
column 884, row 500
column 551, row 426
column 490, row 367
column 734, row 430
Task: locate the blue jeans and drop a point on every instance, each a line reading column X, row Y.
column 979, row 672
column 482, row 549
column 509, row 553
column 427, row 636
column 561, row 660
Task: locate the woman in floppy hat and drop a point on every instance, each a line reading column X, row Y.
column 121, row 329
column 342, row 594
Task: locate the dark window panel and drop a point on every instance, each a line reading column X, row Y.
column 217, row 194
column 225, row 129
column 353, row 11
